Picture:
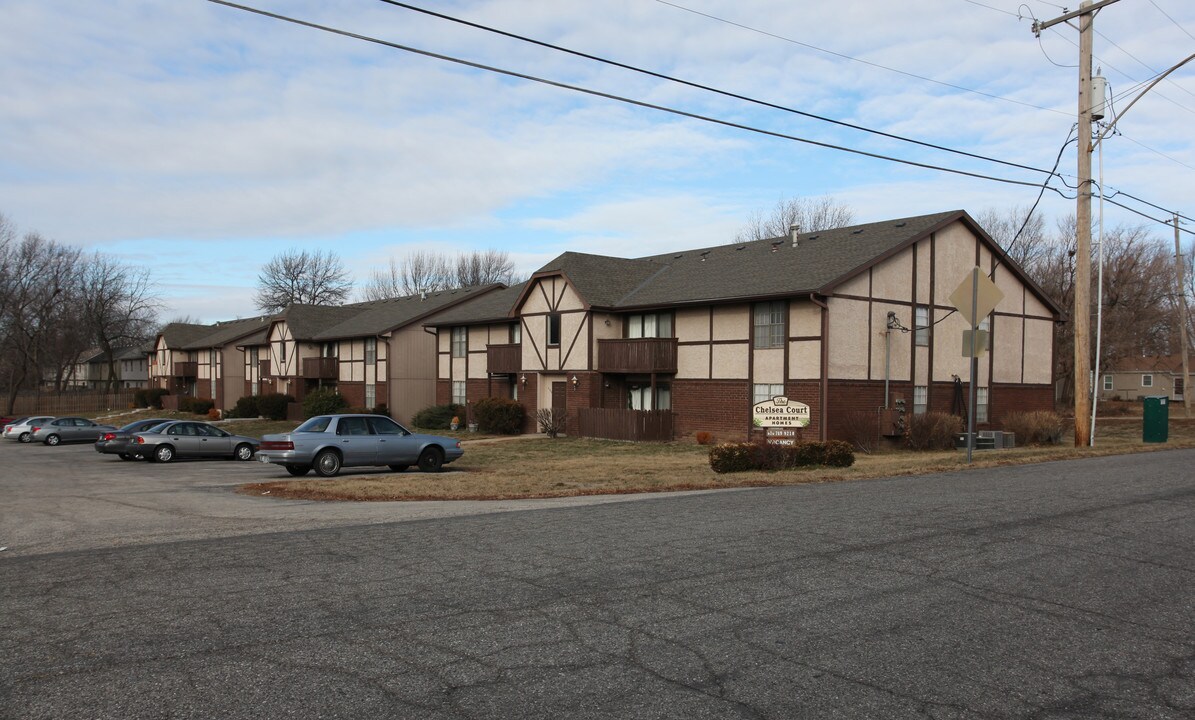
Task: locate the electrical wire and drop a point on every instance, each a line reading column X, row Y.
column 618, row 98
column 706, row 88
column 1142, row 62
column 1180, row 27
column 858, row 60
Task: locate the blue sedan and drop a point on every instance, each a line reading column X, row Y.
column 329, row 442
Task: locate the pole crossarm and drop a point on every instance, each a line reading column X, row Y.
column 1044, row 24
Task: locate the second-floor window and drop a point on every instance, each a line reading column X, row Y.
column 921, row 325
column 649, row 325
column 554, row 329
column 516, row 333
column 371, row 352
column 460, row 341
column 769, row 324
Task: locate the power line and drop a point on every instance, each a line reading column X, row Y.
column 639, row 103
column 858, row 60
column 1141, row 62
column 707, row 88
column 619, row 98
column 1180, row 27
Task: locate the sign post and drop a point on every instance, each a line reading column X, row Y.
column 975, row 297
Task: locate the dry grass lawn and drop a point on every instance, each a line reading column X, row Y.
column 536, row 467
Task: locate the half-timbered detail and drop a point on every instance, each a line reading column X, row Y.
column 843, row 321
column 203, row 361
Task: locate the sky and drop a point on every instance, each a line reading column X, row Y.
column 202, row 140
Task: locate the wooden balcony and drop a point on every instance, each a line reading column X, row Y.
column 263, row 368
column 321, row 368
column 501, row 359
column 638, row 355
column 185, row 370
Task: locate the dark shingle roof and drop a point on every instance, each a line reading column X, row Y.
column 222, row 333
column 494, row 306
column 374, row 318
column 178, row 335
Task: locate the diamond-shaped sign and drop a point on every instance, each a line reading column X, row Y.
column 987, row 295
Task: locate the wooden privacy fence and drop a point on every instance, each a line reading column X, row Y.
column 71, row 403
column 650, row 425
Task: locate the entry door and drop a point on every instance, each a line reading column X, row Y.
column 560, row 403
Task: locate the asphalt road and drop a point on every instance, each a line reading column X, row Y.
column 1062, row 590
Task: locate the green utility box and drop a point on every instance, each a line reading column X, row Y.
column 1156, row 423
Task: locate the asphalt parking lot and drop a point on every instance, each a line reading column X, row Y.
column 72, row 498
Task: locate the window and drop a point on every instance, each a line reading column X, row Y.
column 1107, row 382
column 458, row 392
column 371, row 352
column 981, row 405
column 514, row 388
column 281, row 353
column 920, row 399
column 330, row 350
column 371, row 395
column 554, row 329
column 385, row 426
column 353, row 426
column 763, row 392
column 516, row 333
column 1147, row 381
column 316, row 424
column 649, row 325
column 639, row 397
column 460, row 341
column 769, row 324
column 921, row 325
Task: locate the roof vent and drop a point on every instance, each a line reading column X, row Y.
column 793, row 231
column 678, row 257
column 422, row 295
column 856, row 232
column 776, row 245
column 901, row 224
column 704, row 255
column 740, row 247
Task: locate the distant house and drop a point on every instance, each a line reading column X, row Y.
column 1134, row 378
column 91, row 372
column 372, row 353
column 830, row 320
column 204, row 361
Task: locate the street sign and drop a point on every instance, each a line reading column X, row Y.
column 987, row 297
column 981, row 342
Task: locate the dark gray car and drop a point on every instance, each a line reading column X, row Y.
column 68, row 430
column 120, row 442
column 186, row 438
column 330, row 442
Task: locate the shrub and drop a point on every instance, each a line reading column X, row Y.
column 437, row 417
column 1039, row 427
column 381, row 409
column 861, row 428
column 141, row 398
column 740, row 457
column 703, row 437
column 323, row 401
column 153, row 397
column 933, row 431
column 246, row 407
column 550, row 423
column 202, row 407
column 272, row 406
column 213, row 413
column 499, row 415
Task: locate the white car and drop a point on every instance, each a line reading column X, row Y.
column 22, row 429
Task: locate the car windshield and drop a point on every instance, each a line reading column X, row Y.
column 19, row 421
column 315, row 425
column 157, row 428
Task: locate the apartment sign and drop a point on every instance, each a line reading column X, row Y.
column 780, row 412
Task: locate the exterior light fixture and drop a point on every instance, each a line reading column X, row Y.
column 575, row 382
column 523, row 379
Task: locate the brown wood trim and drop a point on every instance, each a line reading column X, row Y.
column 933, row 297
column 528, row 336
column 802, row 338
column 573, row 344
column 713, row 342
column 750, row 410
column 552, row 312
column 711, row 372
column 991, row 339
column 1024, row 327
column 544, row 294
column 563, row 290
column 916, row 247
column 870, row 313
column 589, row 343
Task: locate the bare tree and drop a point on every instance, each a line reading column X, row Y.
column 312, row 278
column 809, row 214
column 119, row 308
column 1021, row 235
column 422, row 271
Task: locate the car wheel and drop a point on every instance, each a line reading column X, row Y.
column 431, row 460
column 327, row 463
column 163, row 454
column 399, row 468
column 298, row 470
column 52, row 440
column 24, row 437
column 244, row 451
column 126, row 456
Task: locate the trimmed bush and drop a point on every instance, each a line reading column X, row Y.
column 932, row 430
column 201, row 407
column 741, row 457
column 499, row 415
column 437, row 417
column 141, row 398
column 1035, row 428
column 153, row 397
column 246, row 407
column 272, row 406
column 323, row 401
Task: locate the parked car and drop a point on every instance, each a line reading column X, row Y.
column 120, row 442
column 69, row 429
column 186, row 438
column 330, row 442
column 22, row 429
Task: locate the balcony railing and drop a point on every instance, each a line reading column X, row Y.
column 638, row 355
column 503, row 358
column 321, row 368
column 185, row 370
column 263, row 368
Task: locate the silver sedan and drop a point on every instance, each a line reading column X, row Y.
column 186, row 438
column 21, row 429
column 69, row 429
column 330, row 442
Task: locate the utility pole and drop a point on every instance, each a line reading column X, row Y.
column 1082, row 311
column 1182, row 318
